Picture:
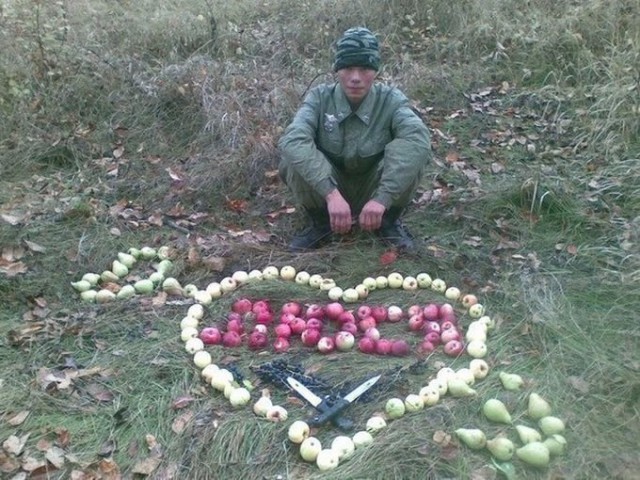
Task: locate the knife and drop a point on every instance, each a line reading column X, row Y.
column 320, row 404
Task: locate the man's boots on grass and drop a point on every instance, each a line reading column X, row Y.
column 314, row 234
column 393, row 232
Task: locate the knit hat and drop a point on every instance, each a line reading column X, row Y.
column 357, row 47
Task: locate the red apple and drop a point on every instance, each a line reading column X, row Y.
column 235, row 326
column 431, row 312
column 326, row 345
column 344, row 341
column 447, row 325
column 210, row 336
column 283, row 330
column 433, row 337
column 366, row 323
column 446, row 310
column 261, row 305
column 287, row 318
column 453, row 348
column 432, row 326
column 372, row 332
column 234, row 316
column 367, row 345
column 231, row 339
column 416, row 323
column 426, row 347
column 414, row 310
column 383, row 346
column 450, row 334
column 333, row 310
column 297, row 326
column 363, row 311
column 257, row 340
column 281, row 345
column 260, row 328
column 347, row 316
column 242, row 306
column 379, row 312
column 293, row 308
column 394, row 313
column 265, row 317
column 350, row 327
column 399, row 348
column 451, row 318
column 310, row 337
column 314, row 311
column 315, row 323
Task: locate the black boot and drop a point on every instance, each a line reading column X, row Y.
column 314, row 234
column 393, row 232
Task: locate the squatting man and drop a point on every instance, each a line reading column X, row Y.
column 355, row 149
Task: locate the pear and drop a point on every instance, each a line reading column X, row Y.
column 126, row 292
column 143, row 286
column 556, row 444
column 538, row 407
column 501, row 448
column 82, row 285
column 535, row 454
column 459, row 388
column 496, row 411
column 511, row 381
column 528, row 434
column 551, row 425
column 119, row 268
column 92, row 278
column 473, row 438
column 127, row 259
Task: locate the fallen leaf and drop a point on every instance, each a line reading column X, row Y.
column 55, row 455
column 30, row 464
column 13, row 269
column 34, row 247
column 182, row 402
column 18, row 418
column 62, row 437
column 15, row 444
column 8, row 463
column 13, row 219
column 147, row 465
column 181, row 421
column 388, row 257
column 441, row 437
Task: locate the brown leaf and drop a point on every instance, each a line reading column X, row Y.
column 12, row 269
column 147, row 465
column 441, row 437
column 388, row 257
column 109, row 469
column 8, row 463
column 214, row 263
column 181, row 421
column 182, row 401
column 100, row 393
column 43, row 445
column 108, row 448
column 579, row 384
column 18, row 418
column 62, row 437
column 30, row 464
column 572, row 249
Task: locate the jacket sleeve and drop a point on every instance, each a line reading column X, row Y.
column 298, row 146
column 404, row 157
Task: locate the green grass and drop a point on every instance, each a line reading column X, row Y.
column 538, row 217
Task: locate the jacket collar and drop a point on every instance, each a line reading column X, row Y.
column 343, row 108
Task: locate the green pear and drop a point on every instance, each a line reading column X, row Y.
column 556, row 444
column 126, row 292
column 92, row 278
column 535, row 454
column 473, row 438
column 538, row 407
column 551, row 425
column 459, row 388
column 496, row 411
column 511, row 381
column 528, row 434
column 501, row 448
column 81, row 285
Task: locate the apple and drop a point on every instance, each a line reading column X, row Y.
column 370, row 283
column 240, row 276
column 220, row 378
column 476, row 311
column 302, row 278
column 261, row 305
column 235, row 325
column 242, row 306
column 260, row 328
column 196, row 311
column 228, row 284
column 294, row 308
column 375, row 424
column 258, row 340
column 327, row 459
column 448, row 335
column 201, row 359
column 188, row 333
column 335, row 293
column 382, row 282
column 287, row 318
column 367, row 345
column 431, row 312
column 333, row 310
column 288, row 273
column 363, row 292
column 346, row 316
column 479, row 368
column 231, row 339
column 344, row 341
column 362, row 438
column 193, row 345
column 453, row 348
column 413, row 403
column 430, row 395
column 344, row 446
column 424, row 280
column 446, row 310
column 207, row 372
column 477, row 348
column 270, row 272
column 466, row 375
column 314, row 311
column 440, row 385
column 363, row 311
column 394, row 408
column 350, row 295
column 426, row 347
column 310, row 337
column 350, row 327
column 188, row 322
column 433, row 338
column 447, row 325
column 281, row 345
column 283, row 330
column 468, row 300
column 383, row 346
column 432, row 326
column 379, row 312
column 452, row 293
column 265, row 317
column 315, row 323
column 367, row 323
column 210, row 336
column 409, row 283
column 445, row 374
column 297, row 325
column 438, row 285
column 315, row 280
column 475, row 333
column 395, row 280
column 416, row 323
column 310, row 448
column 327, row 284
column 414, row 310
column 394, row 313
column 200, row 296
column 399, row 348
column 326, row 345
column 298, row 431
column 487, row 322
column 255, row 276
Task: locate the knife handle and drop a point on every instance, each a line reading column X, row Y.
column 333, row 414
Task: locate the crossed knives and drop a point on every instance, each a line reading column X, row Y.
column 330, row 407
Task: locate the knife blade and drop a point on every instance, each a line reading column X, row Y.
column 319, row 404
column 341, row 403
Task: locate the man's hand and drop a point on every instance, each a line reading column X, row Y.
column 371, row 215
column 339, row 212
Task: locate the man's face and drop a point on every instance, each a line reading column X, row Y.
column 356, row 83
